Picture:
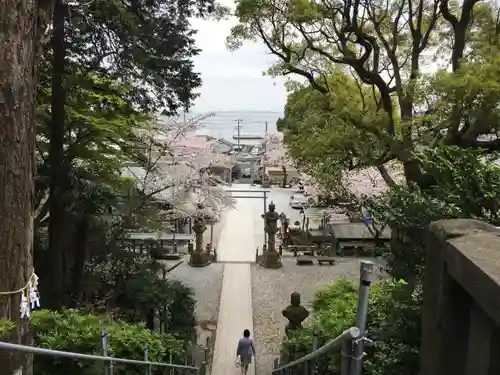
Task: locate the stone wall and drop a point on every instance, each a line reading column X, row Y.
column 461, row 317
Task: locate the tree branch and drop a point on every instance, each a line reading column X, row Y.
column 386, row 176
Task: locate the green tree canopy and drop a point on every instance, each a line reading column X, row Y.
column 385, row 46
column 100, row 129
column 329, row 133
column 148, row 44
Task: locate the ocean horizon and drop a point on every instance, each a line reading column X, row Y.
column 223, row 124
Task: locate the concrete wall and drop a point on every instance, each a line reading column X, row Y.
column 461, row 317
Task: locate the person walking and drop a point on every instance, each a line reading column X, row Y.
column 245, row 351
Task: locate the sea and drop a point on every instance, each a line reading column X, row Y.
column 224, row 124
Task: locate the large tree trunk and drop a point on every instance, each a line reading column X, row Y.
column 58, row 173
column 79, row 260
column 22, row 23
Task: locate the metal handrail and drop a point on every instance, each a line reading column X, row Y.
column 58, row 353
column 350, row 334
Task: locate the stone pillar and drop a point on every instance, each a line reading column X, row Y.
column 199, row 228
column 271, row 258
column 199, row 258
column 461, row 315
column 271, row 226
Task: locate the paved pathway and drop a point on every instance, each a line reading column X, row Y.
column 237, row 243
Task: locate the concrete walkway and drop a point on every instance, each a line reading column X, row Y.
column 237, row 243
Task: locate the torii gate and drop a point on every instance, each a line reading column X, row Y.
column 262, row 195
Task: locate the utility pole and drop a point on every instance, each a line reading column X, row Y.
column 265, row 140
column 265, row 155
column 238, row 127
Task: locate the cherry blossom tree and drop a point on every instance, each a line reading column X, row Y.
column 369, row 182
column 276, row 155
column 175, row 170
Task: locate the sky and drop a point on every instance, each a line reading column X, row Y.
column 233, row 81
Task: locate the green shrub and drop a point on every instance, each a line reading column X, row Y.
column 76, row 332
column 5, row 327
column 129, row 286
column 172, row 301
column 393, row 324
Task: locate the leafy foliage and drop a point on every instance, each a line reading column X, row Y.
column 393, row 324
column 465, row 184
column 99, row 133
column 149, row 42
column 129, row 286
column 5, row 327
column 315, row 40
column 108, row 128
column 105, row 120
column 73, row 331
column 470, row 96
column 326, row 134
column 318, row 126
column 124, row 61
column 439, row 127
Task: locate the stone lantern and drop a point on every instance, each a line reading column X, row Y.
column 295, row 313
column 199, row 228
column 199, row 258
column 271, row 258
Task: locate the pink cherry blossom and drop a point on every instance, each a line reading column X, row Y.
column 176, row 168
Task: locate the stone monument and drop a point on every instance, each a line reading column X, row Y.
column 285, row 224
column 271, row 226
column 199, row 258
column 199, row 228
column 295, row 313
column 270, row 257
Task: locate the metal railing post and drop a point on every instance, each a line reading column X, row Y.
column 203, row 369
column 146, row 359
column 108, row 370
column 365, row 280
column 345, row 359
column 315, row 346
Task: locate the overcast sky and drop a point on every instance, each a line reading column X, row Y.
column 233, row 80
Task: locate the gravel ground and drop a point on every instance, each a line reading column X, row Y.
column 206, row 281
column 271, row 291
column 207, row 284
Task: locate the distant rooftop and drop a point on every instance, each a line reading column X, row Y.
column 355, row 231
column 225, row 141
column 250, row 142
column 248, row 136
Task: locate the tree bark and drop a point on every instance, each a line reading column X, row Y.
column 79, row 260
column 22, row 23
column 58, row 175
column 150, row 320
